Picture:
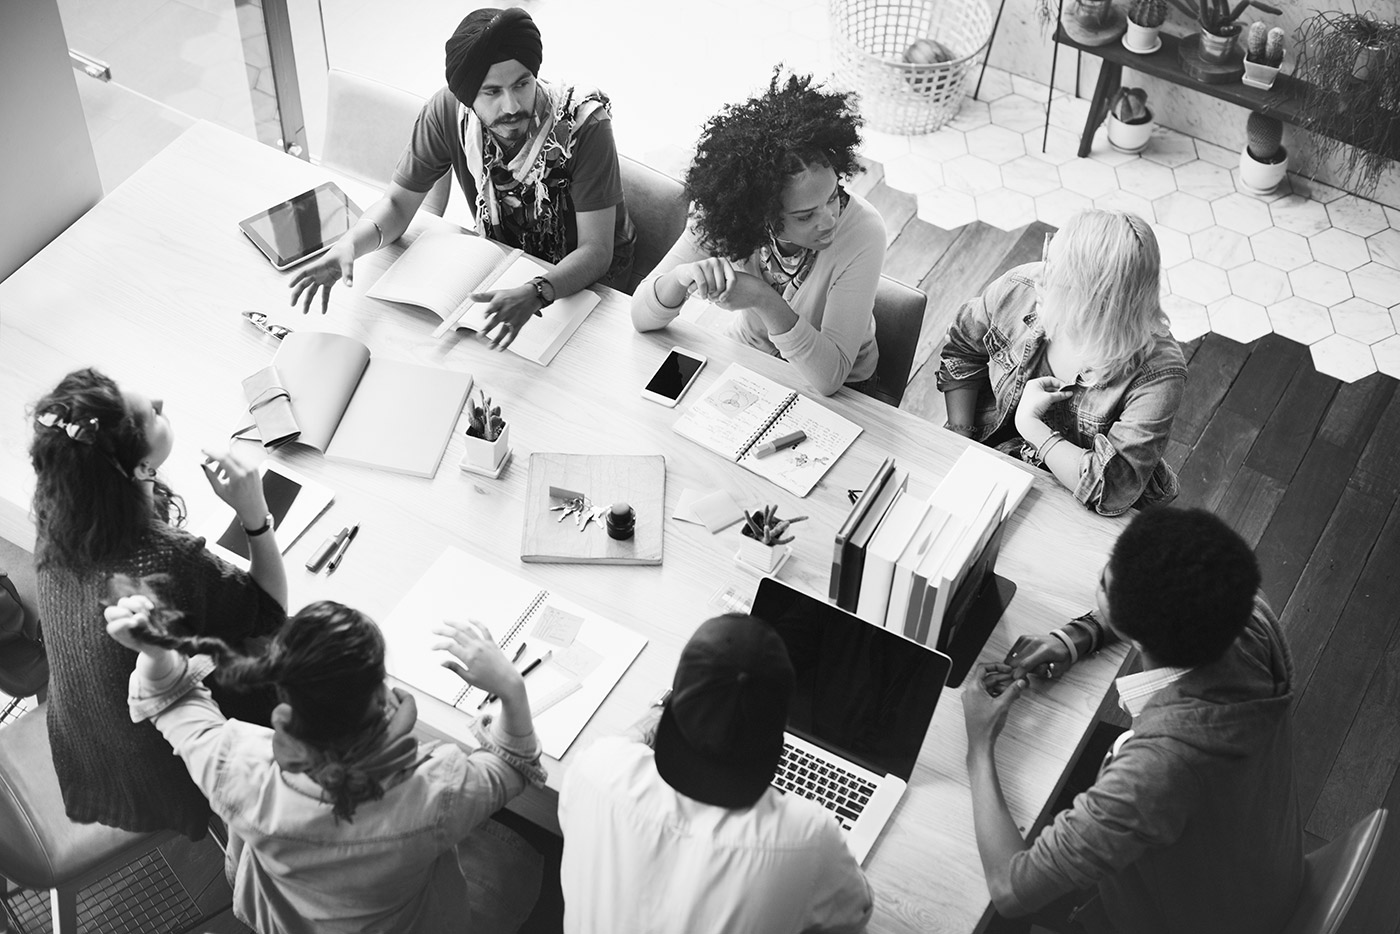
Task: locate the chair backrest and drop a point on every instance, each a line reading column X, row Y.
column 899, row 319
column 1333, row 874
column 368, row 124
column 656, row 203
column 24, row 665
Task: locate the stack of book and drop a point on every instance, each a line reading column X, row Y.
column 915, row 565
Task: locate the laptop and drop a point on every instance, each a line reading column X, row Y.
column 864, row 698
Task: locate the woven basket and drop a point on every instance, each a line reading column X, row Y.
column 870, row 38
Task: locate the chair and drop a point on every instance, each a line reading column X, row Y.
column 24, row 665
column 899, row 319
column 1333, row 874
column 368, row 124
column 656, row 203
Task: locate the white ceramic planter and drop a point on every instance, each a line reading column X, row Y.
column 761, row 556
column 1261, row 178
column 487, row 455
column 1259, row 75
column 1141, row 39
column 1129, row 137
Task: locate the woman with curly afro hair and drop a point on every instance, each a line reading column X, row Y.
column 775, row 239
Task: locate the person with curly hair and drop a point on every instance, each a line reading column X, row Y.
column 101, row 509
column 775, row 238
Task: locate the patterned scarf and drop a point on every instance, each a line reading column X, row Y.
column 787, row 273
column 525, row 200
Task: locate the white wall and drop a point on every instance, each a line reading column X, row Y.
column 48, row 177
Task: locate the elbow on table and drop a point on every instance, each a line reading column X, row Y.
column 643, row 317
column 1003, row 899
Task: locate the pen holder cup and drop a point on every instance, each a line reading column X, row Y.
column 759, row 555
column 487, row 455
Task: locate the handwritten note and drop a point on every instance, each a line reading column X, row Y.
column 557, row 627
column 578, row 661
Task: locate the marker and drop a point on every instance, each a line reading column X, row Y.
column 537, row 663
column 327, row 548
column 344, row 547
column 778, row 444
column 528, row 668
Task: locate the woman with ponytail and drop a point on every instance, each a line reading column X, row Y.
column 100, row 508
column 338, row 820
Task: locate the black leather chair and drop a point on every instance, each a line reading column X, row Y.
column 899, row 319
column 1333, row 874
column 656, row 203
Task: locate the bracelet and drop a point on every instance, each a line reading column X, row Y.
column 378, row 230
column 260, row 530
column 1072, row 628
column 952, row 426
column 657, row 296
column 539, row 282
column 1068, row 643
column 1046, row 446
column 1098, row 636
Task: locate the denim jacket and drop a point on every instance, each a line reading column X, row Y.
column 995, row 343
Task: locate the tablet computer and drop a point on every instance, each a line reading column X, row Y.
column 303, row 226
column 295, row 502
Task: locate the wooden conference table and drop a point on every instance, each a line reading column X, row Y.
column 148, row 286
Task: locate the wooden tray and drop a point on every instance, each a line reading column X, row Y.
column 604, row 478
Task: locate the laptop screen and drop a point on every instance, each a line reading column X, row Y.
column 863, row 692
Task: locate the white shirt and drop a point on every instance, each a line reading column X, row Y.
column 642, row 858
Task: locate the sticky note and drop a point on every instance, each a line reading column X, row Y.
column 718, row 510
column 557, row 627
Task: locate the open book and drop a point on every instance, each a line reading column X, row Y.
column 379, row 413
column 744, row 409
column 440, row 271
column 585, row 655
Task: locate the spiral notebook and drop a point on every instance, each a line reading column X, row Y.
column 743, row 409
column 584, row 654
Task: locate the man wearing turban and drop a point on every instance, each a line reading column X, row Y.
column 537, row 160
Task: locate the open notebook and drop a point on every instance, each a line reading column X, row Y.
column 587, row 654
column 743, row 409
column 440, row 271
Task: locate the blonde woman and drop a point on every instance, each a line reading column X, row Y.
column 1069, row 364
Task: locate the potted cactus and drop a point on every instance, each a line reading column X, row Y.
column 487, row 436
column 1093, row 22
column 1129, row 120
column 1264, row 159
column 1219, row 24
column 763, row 536
column 1145, row 18
column 1263, row 55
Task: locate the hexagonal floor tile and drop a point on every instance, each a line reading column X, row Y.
column 1125, row 201
column 1147, row 179
column 940, row 146
column 1004, row 209
column 1300, row 215
column 1357, row 215
column 996, row 144
column 1198, row 281
column 1028, row 87
column 1280, row 191
column 1189, row 319
column 1017, row 113
column 1217, row 155
column 1260, row 283
column 1088, row 177
column 1183, row 212
column 971, row 175
column 947, row 209
column 1174, row 245
column 1342, row 357
column 971, row 115
column 1103, row 152
column 1059, row 206
column 1030, row 176
column 1321, row 284
column 1300, row 320
column 913, row 174
column 1387, row 355
column 1239, row 319
column 1317, row 191
column 1069, row 113
column 995, row 84
column 1170, row 148
column 1281, row 249
column 1241, row 214
column 1338, row 248
column 1204, row 180
column 1365, row 321
column 1061, row 146
column 1376, row 283
column 883, row 147
column 1221, row 247
column 1385, row 247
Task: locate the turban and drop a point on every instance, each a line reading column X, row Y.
column 489, row 37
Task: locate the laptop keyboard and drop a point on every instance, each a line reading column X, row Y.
column 843, row 793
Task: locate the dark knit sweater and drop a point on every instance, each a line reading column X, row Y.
column 113, row 771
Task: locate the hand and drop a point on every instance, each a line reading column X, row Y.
column 709, row 278
column 984, row 714
column 508, row 311
column 1036, row 399
column 746, row 291
column 237, row 484
column 1041, row 656
column 124, row 616
column 479, row 661
column 336, row 263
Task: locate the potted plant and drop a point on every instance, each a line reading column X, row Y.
column 1094, row 22
column 1263, row 55
column 487, row 436
column 1219, row 25
column 1129, row 120
column 1264, row 159
column 1145, row 19
column 762, row 536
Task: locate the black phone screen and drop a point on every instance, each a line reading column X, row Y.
column 674, row 374
column 280, row 492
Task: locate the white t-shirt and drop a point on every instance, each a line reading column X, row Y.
column 641, row 857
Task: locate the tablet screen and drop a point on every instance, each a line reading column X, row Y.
column 305, row 225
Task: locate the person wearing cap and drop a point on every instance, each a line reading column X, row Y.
column 1192, row 824
column 685, row 832
column 536, row 160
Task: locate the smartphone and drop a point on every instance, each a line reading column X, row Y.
column 280, row 491
column 673, row 377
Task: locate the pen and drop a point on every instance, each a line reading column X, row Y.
column 528, row 668
column 344, row 547
column 778, row 444
column 537, row 662
column 326, row 549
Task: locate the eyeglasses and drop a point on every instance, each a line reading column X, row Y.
column 57, row 418
column 259, row 320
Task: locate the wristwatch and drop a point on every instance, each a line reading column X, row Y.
column 260, row 530
column 544, row 289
